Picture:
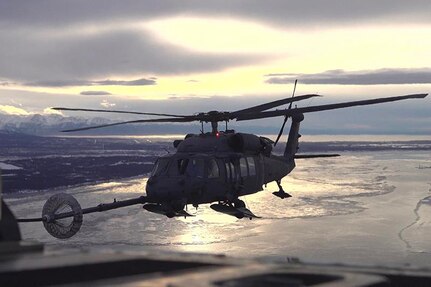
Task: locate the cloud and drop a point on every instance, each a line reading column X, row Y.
column 51, row 43
column 68, row 83
column 58, row 83
column 12, row 110
column 139, row 82
column 366, row 77
column 95, row 93
column 83, row 56
column 281, row 12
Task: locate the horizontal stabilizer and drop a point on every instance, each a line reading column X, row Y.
column 316, row 155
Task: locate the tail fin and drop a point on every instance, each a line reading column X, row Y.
column 292, row 142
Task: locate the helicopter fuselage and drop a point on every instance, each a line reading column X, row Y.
column 215, row 167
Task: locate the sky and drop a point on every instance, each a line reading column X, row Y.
column 193, row 56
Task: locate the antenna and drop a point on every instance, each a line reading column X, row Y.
column 293, row 94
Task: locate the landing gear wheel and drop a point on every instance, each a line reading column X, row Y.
column 65, row 227
column 281, row 193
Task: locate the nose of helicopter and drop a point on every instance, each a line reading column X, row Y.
column 164, row 189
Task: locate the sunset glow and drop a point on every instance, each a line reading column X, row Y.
column 145, row 52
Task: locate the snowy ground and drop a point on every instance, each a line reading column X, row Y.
column 367, row 208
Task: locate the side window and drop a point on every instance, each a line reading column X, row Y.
column 243, row 167
column 251, row 166
column 212, row 169
column 195, row 168
column 228, row 172
column 233, row 172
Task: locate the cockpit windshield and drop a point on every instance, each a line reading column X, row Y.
column 160, row 166
column 178, row 166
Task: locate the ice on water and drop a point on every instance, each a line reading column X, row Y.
column 362, row 207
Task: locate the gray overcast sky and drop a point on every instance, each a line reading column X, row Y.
column 190, row 56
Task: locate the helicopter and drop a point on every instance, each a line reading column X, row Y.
column 216, row 167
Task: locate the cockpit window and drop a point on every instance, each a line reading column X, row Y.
column 178, row 167
column 195, row 168
column 182, row 165
column 251, row 166
column 160, row 166
column 212, row 169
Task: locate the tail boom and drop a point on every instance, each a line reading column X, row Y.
column 292, row 141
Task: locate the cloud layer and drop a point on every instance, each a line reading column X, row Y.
column 369, row 77
column 53, row 41
column 95, row 93
column 69, row 83
column 281, row 12
column 50, row 47
column 54, row 58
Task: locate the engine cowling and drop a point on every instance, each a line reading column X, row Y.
column 241, row 142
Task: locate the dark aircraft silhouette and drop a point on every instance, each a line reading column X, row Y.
column 216, row 167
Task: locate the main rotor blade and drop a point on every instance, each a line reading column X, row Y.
column 271, row 105
column 285, row 117
column 269, row 114
column 114, row 111
column 167, row 120
column 280, row 133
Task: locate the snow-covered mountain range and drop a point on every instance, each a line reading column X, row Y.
column 51, row 124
